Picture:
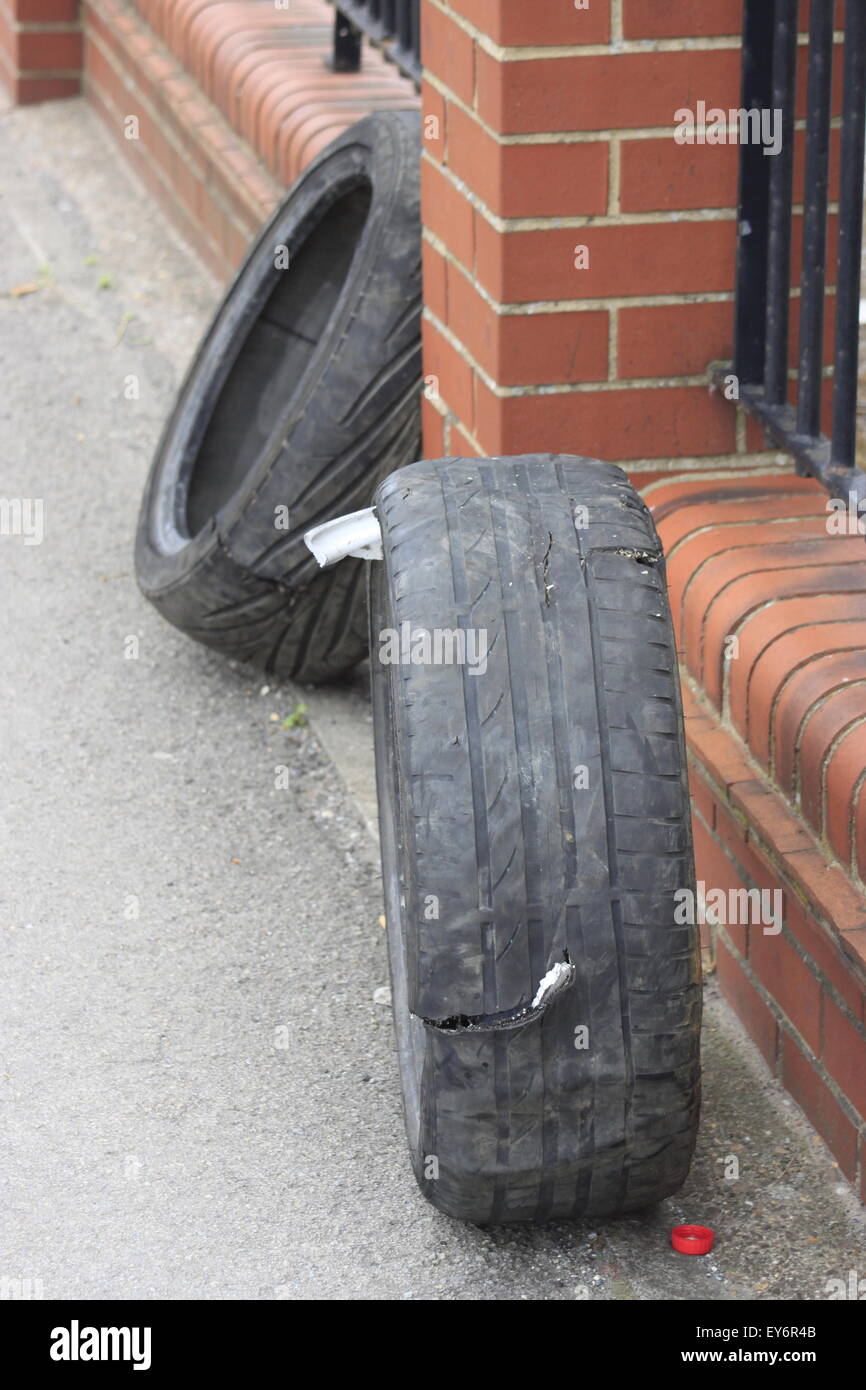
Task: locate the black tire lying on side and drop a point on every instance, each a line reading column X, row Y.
column 304, row 394
column 534, row 816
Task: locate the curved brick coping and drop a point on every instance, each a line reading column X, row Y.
column 770, row 612
column 265, row 69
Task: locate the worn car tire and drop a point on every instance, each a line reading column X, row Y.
column 304, row 394
column 534, row 815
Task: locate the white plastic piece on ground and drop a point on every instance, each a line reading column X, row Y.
column 357, row 534
column 554, row 980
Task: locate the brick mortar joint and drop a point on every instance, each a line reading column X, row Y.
column 449, row 418
column 61, row 26
column 548, row 137
column 569, row 137
column 760, row 773
column 708, row 465
column 41, row 74
column 506, row 308
column 771, row 466
column 654, row 217
column 616, row 46
column 558, row 388
column 581, row 222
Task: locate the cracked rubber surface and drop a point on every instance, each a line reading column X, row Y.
column 487, row 818
column 304, row 394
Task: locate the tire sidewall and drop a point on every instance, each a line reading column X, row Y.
column 375, row 150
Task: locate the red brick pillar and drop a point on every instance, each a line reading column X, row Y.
column 40, row 49
column 579, row 262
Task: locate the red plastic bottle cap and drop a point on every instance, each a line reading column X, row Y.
column 692, row 1240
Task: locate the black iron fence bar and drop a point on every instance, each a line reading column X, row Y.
column 408, row 47
column 347, row 45
column 761, row 336
column 850, row 237
column 817, row 179
column 781, row 187
column 750, row 313
column 394, row 25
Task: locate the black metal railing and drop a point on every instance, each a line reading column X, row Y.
column 771, row 56
column 393, row 25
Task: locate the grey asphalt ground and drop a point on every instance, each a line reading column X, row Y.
column 199, row 1093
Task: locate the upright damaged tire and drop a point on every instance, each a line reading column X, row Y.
column 535, row 827
column 303, row 395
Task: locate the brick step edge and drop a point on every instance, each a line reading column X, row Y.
column 208, row 180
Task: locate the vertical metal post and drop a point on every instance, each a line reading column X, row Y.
column 850, row 237
column 781, row 188
column 813, row 274
column 753, row 199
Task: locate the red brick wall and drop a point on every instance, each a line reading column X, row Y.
column 550, row 128
column 40, row 49
column 801, row 991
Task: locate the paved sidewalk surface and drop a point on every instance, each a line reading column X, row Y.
column 199, row 1094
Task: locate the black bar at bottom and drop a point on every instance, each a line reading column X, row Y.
column 781, row 185
column 813, row 273
column 812, row 454
column 753, row 199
